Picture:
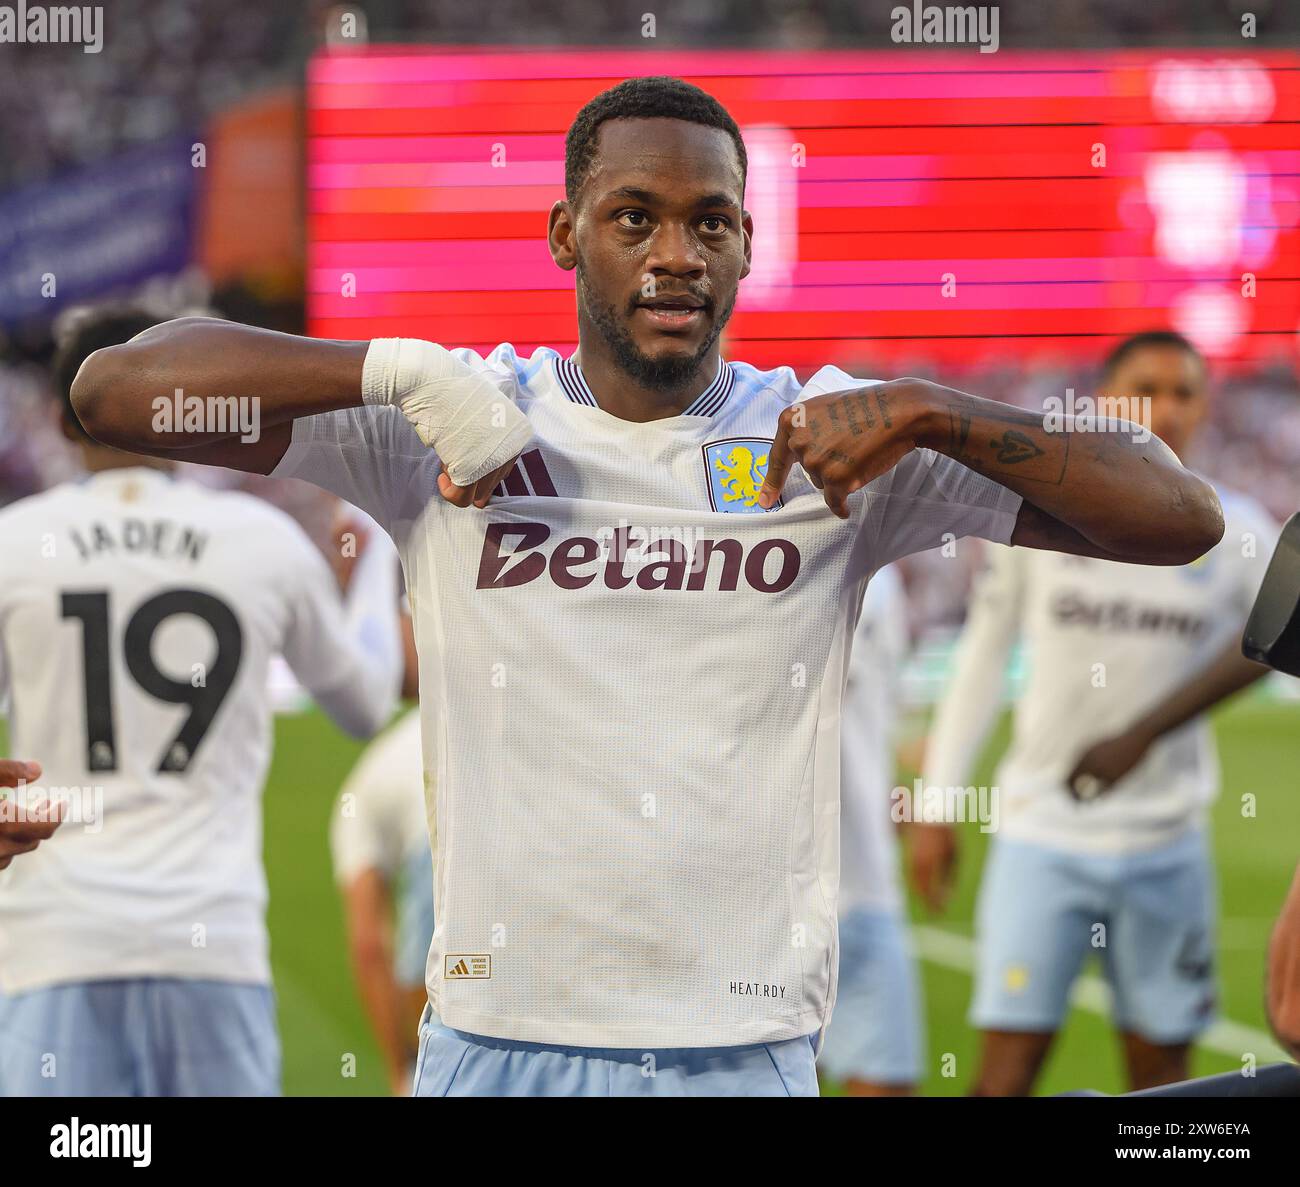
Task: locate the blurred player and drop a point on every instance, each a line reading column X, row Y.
column 874, row 1045
column 630, row 674
column 379, row 837
column 1122, row 661
column 138, row 616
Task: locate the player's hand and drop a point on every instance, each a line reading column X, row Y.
column 844, row 440
column 477, row 493
column 23, row 827
column 475, row 428
column 932, row 851
column 1106, row 762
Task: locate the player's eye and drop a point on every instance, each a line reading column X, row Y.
column 624, row 215
column 722, row 223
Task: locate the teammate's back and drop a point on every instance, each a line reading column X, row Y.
column 138, row 618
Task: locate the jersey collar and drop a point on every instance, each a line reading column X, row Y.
column 708, row 402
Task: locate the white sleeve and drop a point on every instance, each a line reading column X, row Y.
column 348, row 658
column 927, row 499
column 372, row 605
column 931, row 500
column 380, row 805
column 972, row 698
column 370, row 456
column 363, row 834
column 367, row 456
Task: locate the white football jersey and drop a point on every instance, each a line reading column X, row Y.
column 1105, row 643
column 868, row 836
column 630, row 694
column 138, row 616
column 379, row 820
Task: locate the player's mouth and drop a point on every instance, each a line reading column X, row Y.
column 673, row 314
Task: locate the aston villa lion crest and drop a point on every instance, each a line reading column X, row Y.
column 735, row 469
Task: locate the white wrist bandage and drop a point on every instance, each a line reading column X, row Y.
column 462, row 415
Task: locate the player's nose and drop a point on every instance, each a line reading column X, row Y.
column 675, row 250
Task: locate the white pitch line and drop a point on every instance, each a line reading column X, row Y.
column 1225, row 1037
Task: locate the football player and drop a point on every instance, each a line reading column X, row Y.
column 138, row 616
column 1103, row 792
column 632, row 653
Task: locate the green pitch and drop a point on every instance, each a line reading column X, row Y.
column 328, row 1049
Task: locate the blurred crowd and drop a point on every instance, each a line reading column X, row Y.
column 165, row 66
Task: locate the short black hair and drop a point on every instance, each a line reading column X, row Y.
column 656, row 97
column 1147, row 338
column 87, row 331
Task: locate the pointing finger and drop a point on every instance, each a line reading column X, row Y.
column 779, row 460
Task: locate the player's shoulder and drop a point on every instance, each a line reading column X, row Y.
column 521, row 377
column 33, row 508
column 782, row 385
column 257, row 526
column 44, row 511
column 233, row 506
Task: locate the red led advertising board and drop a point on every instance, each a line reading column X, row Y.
column 958, row 207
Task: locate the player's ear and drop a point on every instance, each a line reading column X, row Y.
column 747, row 231
column 559, row 236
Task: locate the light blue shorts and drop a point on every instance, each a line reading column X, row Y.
column 454, row 1063
column 875, row 1034
column 147, row 1037
column 1149, row 916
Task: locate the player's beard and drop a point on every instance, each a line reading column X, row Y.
column 666, row 374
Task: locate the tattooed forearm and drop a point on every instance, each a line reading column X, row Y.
column 960, row 432
column 1112, row 495
column 1005, row 443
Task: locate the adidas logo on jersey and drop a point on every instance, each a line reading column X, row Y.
column 457, row 967
column 769, row 566
column 528, row 476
